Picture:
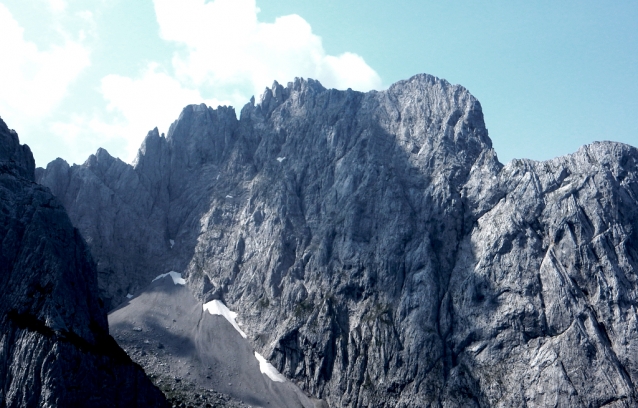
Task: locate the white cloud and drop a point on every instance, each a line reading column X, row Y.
column 57, row 6
column 228, row 54
column 150, row 98
column 137, row 105
column 227, row 49
column 33, row 81
column 350, row 71
column 88, row 22
column 154, row 99
column 225, row 55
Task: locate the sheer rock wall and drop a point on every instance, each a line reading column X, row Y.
column 375, row 248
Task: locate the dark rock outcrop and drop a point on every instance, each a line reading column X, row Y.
column 377, row 251
column 55, row 349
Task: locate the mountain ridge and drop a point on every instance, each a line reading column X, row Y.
column 380, row 252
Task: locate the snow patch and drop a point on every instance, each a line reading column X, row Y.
column 280, row 159
column 215, row 307
column 177, row 277
column 172, row 242
column 266, row 368
column 129, row 296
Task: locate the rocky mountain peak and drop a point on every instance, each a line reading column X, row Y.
column 100, row 162
column 193, row 116
column 276, row 95
column 611, row 155
column 273, row 97
column 14, row 157
column 376, row 250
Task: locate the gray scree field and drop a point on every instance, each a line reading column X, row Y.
column 187, row 351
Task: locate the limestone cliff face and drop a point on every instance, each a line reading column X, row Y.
column 55, row 349
column 376, row 250
column 541, row 307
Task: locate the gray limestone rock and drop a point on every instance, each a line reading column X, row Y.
column 124, row 225
column 55, row 349
column 377, row 251
column 542, row 304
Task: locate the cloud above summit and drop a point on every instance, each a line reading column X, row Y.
column 33, row 79
column 222, row 55
column 84, row 75
column 224, row 48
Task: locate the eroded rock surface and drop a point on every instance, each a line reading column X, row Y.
column 55, row 349
column 377, row 251
column 541, row 307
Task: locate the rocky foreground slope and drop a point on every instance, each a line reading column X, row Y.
column 190, row 349
column 55, row 348
column 376, row 250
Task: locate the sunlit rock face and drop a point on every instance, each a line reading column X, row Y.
column 55, row 348
column 376, row 251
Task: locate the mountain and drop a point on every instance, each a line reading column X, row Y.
column 376, row 250
column 55, row 348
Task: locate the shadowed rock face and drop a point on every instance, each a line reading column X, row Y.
column 55, row 349
column 376, row 250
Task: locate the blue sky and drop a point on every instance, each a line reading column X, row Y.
column 78, row 75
